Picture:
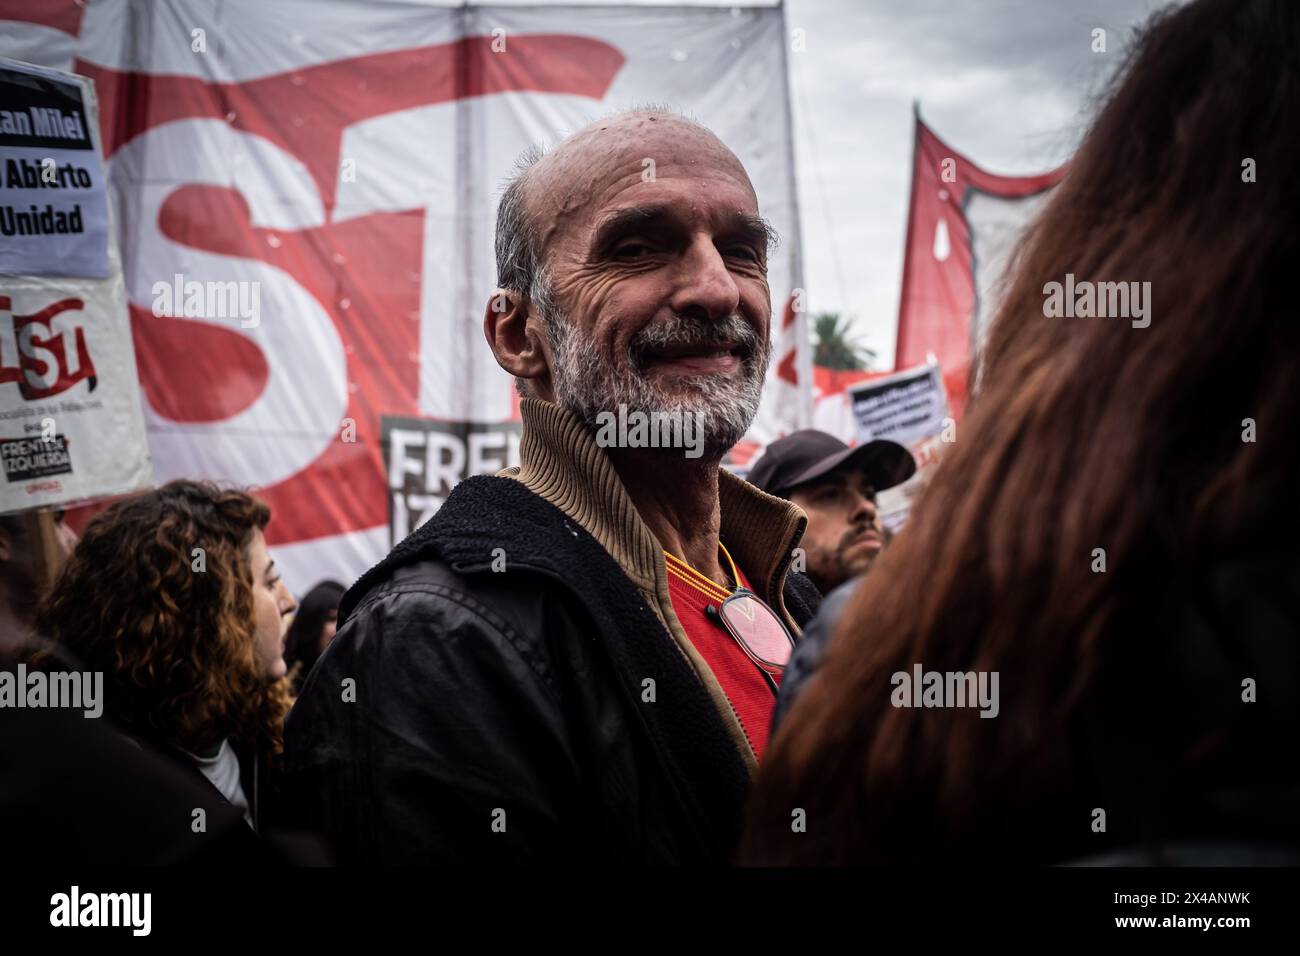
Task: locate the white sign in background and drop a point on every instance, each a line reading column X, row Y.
column 71, row 426
column 910, row 408
column 53, row 210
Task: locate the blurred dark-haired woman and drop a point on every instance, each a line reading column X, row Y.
column 312, row 629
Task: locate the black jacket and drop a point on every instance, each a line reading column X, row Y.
column 812, row 648
column 538, row 712
column 272, row 825
column 78, row 792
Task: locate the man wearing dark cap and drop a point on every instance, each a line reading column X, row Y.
column 836, row 487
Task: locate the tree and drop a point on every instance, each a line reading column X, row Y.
column 832, row 347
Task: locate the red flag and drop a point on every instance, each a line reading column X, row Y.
column 961, row 223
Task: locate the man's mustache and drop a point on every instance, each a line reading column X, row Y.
column 856, row 533
column 731, row 332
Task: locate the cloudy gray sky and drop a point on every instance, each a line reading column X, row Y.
column 1009, row 83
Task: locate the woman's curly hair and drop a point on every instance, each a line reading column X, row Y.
column 172, row 626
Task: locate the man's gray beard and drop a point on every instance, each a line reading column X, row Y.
column 588, row 383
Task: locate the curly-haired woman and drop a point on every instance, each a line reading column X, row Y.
column 173, row 596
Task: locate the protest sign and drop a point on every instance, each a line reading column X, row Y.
column 53, row 209
column 910, row 408
column 426, row 458
column 71, row 425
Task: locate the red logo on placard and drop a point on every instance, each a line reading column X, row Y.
column 42, row 361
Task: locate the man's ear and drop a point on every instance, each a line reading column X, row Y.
column 517, row 343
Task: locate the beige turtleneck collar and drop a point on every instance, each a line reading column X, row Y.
column 561, row 462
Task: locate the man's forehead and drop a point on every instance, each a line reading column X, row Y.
column 603, row 168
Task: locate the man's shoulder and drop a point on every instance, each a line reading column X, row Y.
column 431, row 586
column 487, row 524
column 433, row 598
column 426, row 629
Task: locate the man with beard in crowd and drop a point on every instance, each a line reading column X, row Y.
column 836, row 487
column 546, row 669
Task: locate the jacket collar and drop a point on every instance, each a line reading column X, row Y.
column 561, row 462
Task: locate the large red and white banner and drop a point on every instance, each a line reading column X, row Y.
column 962, row 225
column 305, row 194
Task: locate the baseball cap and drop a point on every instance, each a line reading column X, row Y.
column 808, row 454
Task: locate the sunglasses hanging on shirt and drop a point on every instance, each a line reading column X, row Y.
column 759, row 632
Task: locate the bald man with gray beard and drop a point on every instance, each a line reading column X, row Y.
column 577, row 659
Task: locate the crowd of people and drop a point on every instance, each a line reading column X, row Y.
column 675, row 665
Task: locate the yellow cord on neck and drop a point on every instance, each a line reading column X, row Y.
column 735, row 573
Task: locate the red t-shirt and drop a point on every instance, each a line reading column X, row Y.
column 750, row 697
